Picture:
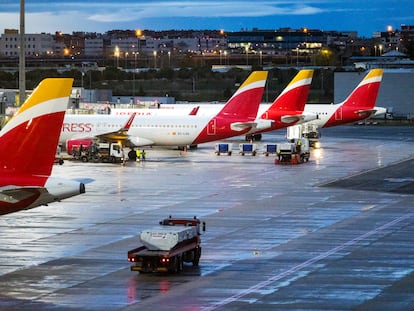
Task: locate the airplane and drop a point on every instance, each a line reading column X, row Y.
column 359, row 105
column 287, row 109
column 235, row 118
column 28, row 144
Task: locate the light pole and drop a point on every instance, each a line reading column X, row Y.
column 133, row 73
column 169, row 59
column 297, row 57
column 155, row 59
column 138, row 34
column 116, row 53
column 22, row 57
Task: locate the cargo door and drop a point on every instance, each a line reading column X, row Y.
column 211, row 127
column 338, row 114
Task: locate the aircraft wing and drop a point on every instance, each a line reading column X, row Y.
column 119, row 135
column 113, row 136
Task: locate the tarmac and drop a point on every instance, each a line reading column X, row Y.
column 336, row 233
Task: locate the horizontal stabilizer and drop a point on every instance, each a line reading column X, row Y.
column 366, row 112
column 308, row 117
column 241, row 126
column 290, row 119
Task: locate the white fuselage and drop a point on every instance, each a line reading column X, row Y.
column 144, row 130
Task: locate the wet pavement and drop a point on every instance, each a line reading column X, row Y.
column 332, row 234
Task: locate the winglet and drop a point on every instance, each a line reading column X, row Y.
column 365, row 94
column 129, row 122
column 293, row 98
column 29, row 140
column 194, row 111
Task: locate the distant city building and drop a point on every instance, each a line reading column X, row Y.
column 148, row 48
column 282, row 41
column 94, row 47
column 35, row 44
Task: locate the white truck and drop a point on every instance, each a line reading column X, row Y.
column 166, row 247
column 86, row 150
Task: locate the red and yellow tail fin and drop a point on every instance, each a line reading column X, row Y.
column 293, row 98
column 245, row 102
column 29, row 140
column 365, row 94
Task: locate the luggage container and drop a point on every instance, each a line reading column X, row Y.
column 270, row 149
column 248, row 148
column 223, row 148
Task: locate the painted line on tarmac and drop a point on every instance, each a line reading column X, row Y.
column 305, row 264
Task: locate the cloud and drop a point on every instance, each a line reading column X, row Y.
column 202, row 9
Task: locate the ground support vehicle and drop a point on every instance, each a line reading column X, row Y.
column 270, row 149
column 305, row 130
column 294, row 152
column 166, row 247
column 223, row 148
column 248, row 148
column 98, row 152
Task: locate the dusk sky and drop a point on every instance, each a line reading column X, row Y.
column 364, row 16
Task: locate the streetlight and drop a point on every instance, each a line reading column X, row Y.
column 169, row 58
column 155, row 59
column 138, row 34
column 247, row 54
column 133, row 73
column 260, row 58
column 297, row 57
column 116, row 54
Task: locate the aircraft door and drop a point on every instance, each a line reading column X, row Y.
column 338, row 114
column 211, row 127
